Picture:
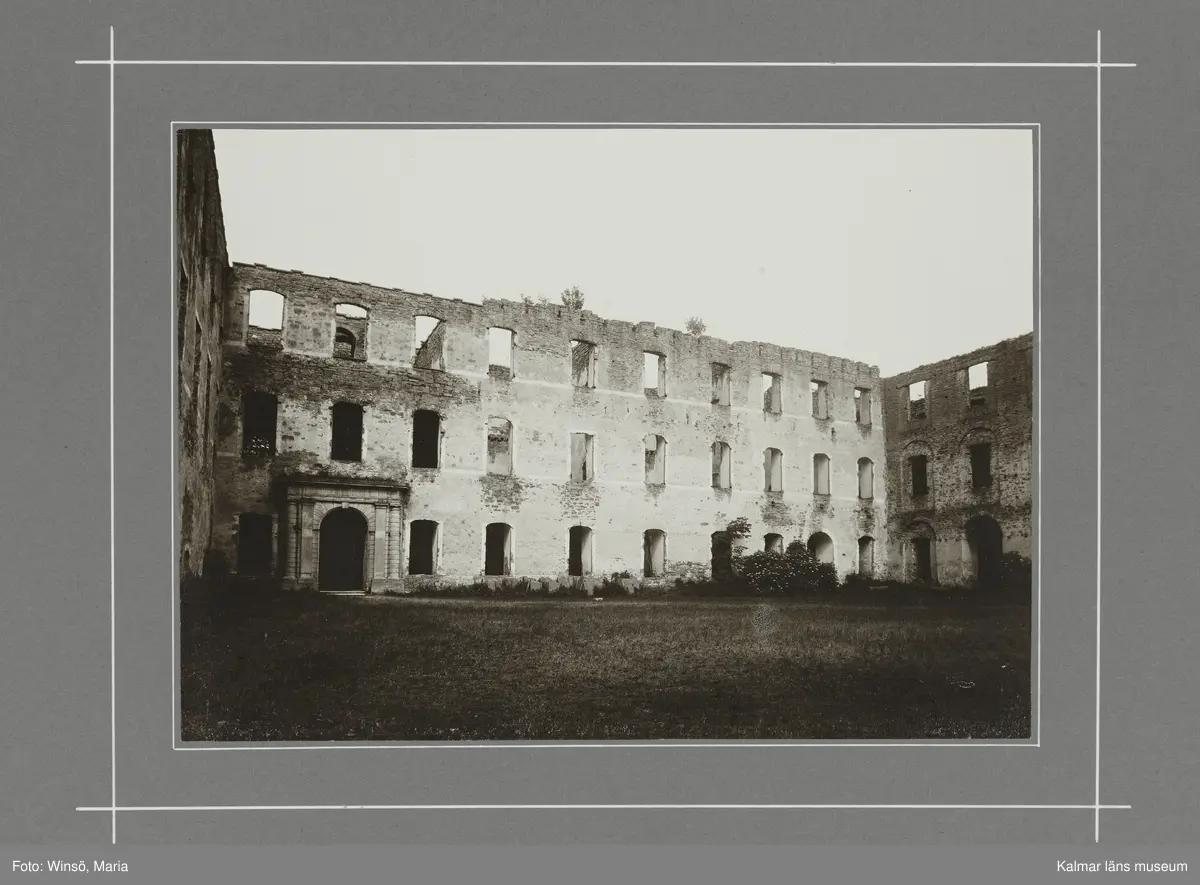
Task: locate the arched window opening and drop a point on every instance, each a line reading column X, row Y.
column 820, row 545
column 866, row 479
column 498, row 549
column 820, row 474
column 656, row 460
column 579, row 554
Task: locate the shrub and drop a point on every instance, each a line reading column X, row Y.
column 1014, row 575
column 793, row 573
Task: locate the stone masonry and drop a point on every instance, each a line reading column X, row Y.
column 202, row 269
column 375, row 439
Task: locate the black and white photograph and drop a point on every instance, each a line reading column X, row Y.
column 606, row 434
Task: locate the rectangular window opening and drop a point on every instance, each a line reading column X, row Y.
column 981, row 465
column 259, row 414
column 916, row 401
column 772, row 390
column 500, row 351
column 773, row 470
column 499, row 447
column 721, row 383
column 862, row 406
column 427, row 439
column 583, row 364
column 347, row 436
column 977, row 383
column 820, row 474
column 582, row 466
column 656, row 460
column 429, row 337
column 820, row 405
column 654, row 374
column 655, row 553
column 919, row 469
column 721, row 465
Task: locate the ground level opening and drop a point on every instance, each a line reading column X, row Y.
column 342, row 550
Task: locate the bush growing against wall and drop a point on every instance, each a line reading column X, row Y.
column 793, row 573
column 1015, row 576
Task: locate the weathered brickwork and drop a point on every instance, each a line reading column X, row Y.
column 539, row 500
column 431, row 449
column 202, row 271
column 953, row 512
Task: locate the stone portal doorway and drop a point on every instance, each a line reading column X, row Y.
column 985, row 541
column 342, row 554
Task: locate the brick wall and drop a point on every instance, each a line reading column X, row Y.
column 202, row 277
column 951, row 425
column 538, row 500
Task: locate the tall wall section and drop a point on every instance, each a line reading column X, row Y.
column 539, row 500
column 954, row 419
column 202, row 277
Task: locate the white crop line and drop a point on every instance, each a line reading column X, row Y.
column 598, row 64
column 605, row 807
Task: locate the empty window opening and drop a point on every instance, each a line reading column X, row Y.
column 773, row 470
column 866, row 555
column 341, row 556
column 259, row 413
column 866, row 478
column 656, row 460
column 579, row 554
column 820, row 397
column 265, row 310
column 347, row 433
column 654, row 374
column 721, row 384
column 429, row 337
column 977, row 383
column 862, row 406
column 918, row 468
column 820, row 545
column 583, row 364
column 500, row 349
column 582, row 466
column 654, row 545
column 254, row 544
column 772, row 391
column 499, row 447
column 350, row 331
column 820, row 474
column 423, row 547
column 916, row 401
column 923, row 548
column 427, row 439
column 773, row 543
column 981, row 465
column 498, row 553
column 721, row 458
column 345, row 344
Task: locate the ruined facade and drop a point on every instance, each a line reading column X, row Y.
column 508, row 439
column 960, row 463
column 375, row 439
column 201, row 277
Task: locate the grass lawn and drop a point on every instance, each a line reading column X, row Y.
column 308, row 667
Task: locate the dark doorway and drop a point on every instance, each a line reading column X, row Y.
column 579, row 556
column 427, row 439
column 986, row 543
column 497, row 555
column 924, row 551
column 343, row 550
column 722, row 556
column 422, row 547
column 254, row 544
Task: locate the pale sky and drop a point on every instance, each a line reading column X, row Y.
column 891, row 247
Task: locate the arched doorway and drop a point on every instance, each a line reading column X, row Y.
column 722, row 555
column 985, row 542
column 820, row 545
column 343, row 550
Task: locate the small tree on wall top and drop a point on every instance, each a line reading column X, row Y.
column 572, row 298
column 695, row 326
